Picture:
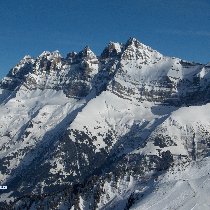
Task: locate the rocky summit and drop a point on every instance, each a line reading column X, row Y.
column 129, row 129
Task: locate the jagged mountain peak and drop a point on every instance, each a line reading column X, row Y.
column 86, row 48
column 71, row 56
column 86, row 53
column 133, row 41
column 112, row 50
column 50, row 55
column 27, row 57
column 135, row 50
column 23, row 67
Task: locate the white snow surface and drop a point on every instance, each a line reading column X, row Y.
column 42, row 109
column 187, row 189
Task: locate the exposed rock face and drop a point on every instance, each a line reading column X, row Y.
column 81, row 131
column 73, row 75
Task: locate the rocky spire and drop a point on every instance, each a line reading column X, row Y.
column 49, row 55
column 112, row 50
column 86, row 53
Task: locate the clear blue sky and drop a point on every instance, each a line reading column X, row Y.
column 178, row 28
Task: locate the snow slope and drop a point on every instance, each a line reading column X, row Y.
column 182, row 190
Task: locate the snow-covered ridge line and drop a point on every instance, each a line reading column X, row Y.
column 123, row 68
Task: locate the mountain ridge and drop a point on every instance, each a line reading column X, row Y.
column 95, row 132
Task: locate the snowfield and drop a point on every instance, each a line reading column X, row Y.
column 184, row 189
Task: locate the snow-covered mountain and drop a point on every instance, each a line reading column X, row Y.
column 129, row 129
